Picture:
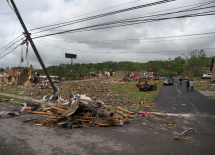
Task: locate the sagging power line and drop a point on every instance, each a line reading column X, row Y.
column 128, row 21
column 124, row 23
column 74, row 50
column 103, row 15
column 155, row 39
column 194, row 6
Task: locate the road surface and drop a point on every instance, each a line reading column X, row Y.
column 184, row 110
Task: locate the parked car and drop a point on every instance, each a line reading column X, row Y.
column 167, row 80
column 146, row 87
column 206, row 75
column 79, row 78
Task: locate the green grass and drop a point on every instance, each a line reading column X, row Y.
column 213, row 98
column 10, row 90
column 132, row 94
column 14, row 99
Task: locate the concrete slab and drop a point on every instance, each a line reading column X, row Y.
column 208, row 93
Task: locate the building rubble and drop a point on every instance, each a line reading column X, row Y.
column 76, row 110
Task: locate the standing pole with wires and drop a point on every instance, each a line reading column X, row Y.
column 28, row 38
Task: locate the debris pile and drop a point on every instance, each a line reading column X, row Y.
column 206, row 85
column 80, row 111
column 84, row 105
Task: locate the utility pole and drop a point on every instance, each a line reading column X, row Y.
column 28, row 37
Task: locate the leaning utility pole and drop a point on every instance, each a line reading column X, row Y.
column 28, row 37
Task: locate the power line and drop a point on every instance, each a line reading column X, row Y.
column 7, row 13
column 10, row 5
column 3, row 55
column 128, row 21
column 110, row 13
column 156, row 39
column 105, row 14
column 12, row 43
column 125, row 23
column 124, row 52
column 8, row 49
column 136, row 18
column 90, row 13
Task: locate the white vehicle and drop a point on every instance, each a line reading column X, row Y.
column 206, row 75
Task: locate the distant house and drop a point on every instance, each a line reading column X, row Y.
column 93, row 75
column 206, row 69
column 113, row 76
column 212, row 69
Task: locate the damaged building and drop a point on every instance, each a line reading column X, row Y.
column 16, row 76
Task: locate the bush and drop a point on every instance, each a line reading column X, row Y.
column 165, row 73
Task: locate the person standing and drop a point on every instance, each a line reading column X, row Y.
column 180, row 81
column 173, row 80
column 187, row 85
column 191, row 85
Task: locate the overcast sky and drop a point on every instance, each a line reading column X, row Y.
column 143, row 42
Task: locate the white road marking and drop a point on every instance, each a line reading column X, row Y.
column 183, row 114
column 179, row 91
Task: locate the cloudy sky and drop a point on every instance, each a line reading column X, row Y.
column 141, row 34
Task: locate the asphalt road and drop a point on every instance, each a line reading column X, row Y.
column 175, row 98
column 155, row 136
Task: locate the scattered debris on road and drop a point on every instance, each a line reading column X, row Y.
column 183, row 135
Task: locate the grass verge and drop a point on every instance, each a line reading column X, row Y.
column 131, row 93
column 13, row 99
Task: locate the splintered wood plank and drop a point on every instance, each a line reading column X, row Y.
column 40, row 112
column 120, row 108
column 117, row 117
column 27, row 120
column 71, row 110
column 86, row 115
column 45, row 109
column 61, row 107
column 58, row 109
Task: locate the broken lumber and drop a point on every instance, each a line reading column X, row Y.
column 120, row 108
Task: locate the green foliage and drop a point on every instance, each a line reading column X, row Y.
column 1, row 69
column 165, row 73
column 193, row 61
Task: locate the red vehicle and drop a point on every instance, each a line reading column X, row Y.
column 79, row 78
column 145, row 86
column 134, row 79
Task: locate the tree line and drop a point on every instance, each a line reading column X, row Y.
column 190, row 64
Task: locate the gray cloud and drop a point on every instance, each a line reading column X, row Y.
column 39, row 13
